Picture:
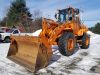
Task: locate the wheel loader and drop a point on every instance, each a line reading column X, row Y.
column 35, row 52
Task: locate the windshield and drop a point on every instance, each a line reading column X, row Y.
column 10, row 31
column 62, row 15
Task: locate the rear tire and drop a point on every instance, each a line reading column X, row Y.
column 67, row 44
column 85, row 41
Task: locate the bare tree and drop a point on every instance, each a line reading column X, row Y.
column 37, row 14
column 37, row 22
column 3, row 22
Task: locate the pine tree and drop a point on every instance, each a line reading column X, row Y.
column 17, row 12
column 96, row 28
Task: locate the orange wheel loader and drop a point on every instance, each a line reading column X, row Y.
column 34, row 52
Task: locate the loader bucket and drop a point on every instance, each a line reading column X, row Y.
column 28, row 51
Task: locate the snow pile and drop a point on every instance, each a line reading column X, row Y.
column 37, row 33
column 90, row 33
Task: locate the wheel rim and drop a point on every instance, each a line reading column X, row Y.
column 70, row 45
column 87, row 41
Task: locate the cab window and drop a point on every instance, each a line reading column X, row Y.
column 15, row 32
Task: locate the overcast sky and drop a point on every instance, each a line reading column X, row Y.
column 90, row 8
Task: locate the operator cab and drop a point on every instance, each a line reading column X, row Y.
column 67, row 14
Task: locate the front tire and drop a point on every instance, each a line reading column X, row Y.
column 67, row 44
column 85, row 41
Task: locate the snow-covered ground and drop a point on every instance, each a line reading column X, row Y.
column 84, row 62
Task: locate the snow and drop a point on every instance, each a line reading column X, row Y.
column 79, row 63
column 36, row 33
column 90, row 33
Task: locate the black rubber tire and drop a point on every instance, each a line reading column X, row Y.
column 63, row 42
column 84, row 46
column 7, row 40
